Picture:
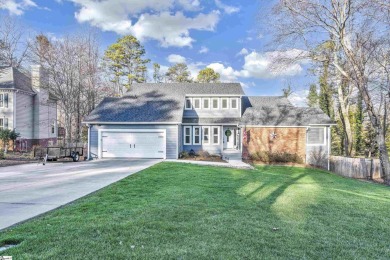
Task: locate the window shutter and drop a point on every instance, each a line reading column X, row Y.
column 6, row 100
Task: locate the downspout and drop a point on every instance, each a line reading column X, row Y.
column 89, row 142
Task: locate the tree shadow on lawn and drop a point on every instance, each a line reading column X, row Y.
column 186, row 211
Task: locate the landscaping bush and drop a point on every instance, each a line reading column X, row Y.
column 184, row 154
column 2, row 155
column 203, row 154
column 276, row 157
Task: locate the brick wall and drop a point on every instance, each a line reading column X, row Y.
column 291, row 140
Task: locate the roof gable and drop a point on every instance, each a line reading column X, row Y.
column 12, row 78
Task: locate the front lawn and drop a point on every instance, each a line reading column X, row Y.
column 181, row 211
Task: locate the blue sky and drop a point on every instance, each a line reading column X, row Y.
column 225, row 35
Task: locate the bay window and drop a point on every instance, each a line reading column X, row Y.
column 196, row 138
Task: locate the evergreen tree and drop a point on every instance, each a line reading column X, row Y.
column 125, row 61
column 312, row 97
column 325, row 99
column 358, row 126
column 208, row 75
column 157, row 77
column 179, row 73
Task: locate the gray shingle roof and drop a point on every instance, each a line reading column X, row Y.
column 11, row 78
column 151, row 102
column 257, row 101
column 205, row 121
column 284, row 116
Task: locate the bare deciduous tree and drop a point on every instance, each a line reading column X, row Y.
column 13, row 44
column 357, row 32
column 71, row 67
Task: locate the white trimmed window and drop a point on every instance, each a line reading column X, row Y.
column 225, row 103
column 1, row 100
column 206, row 103
column 234, row 103
column 188, row 105
column 206, row 135
column 316, row 136
column 3, row 123
column 215, row 130
column 215, row 103
column 196, row 103
column 187, row 135
column 197, row 135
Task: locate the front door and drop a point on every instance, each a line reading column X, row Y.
column 229, row 137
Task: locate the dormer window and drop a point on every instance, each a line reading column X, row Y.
column 188, row 105
column 196, row 103
column 225, row 103
column 215, row 103
column 234, row 103
column 206, row 103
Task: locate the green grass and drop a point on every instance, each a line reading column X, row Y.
column 181, row 211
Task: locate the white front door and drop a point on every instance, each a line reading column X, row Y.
column 229, row 136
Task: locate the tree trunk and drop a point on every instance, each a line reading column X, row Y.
column 346, row 123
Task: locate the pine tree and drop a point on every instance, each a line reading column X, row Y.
column 312, row 97
column 325, row 99
column 358, row 126
column 125, row 61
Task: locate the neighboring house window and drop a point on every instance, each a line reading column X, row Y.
column 316, row 136
column 196, row 103
column 206, row 103
column 206, row 135
column 53, row 127
column 234, row 103
column 6, row 100
column 197, row 135
column 3, row 123
column 225, row 103
column 187, row 135
column 215, row 103
column 188, row 104
column 216, row 135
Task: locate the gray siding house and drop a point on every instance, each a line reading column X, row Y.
column 27, row 108
column 160, row 120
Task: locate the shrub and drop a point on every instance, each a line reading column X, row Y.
column 183, row 154
column 203, row 154
column 2, row 155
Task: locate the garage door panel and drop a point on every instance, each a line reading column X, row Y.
column 133, row 145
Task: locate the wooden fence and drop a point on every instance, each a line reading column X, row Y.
column 359, row 168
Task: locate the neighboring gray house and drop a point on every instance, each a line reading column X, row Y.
column 27, row 108
column 161, row 120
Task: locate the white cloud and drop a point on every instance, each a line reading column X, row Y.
column 173, row 30
column 261, row 66
column 17, row 7
column 271, row 64
column 203, row 49
column 226, row 8
column 152, row 19
column 299, row 98
column 228, row 74
column 175, row 58
column 243, row 51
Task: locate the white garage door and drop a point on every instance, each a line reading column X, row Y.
column 133, row 144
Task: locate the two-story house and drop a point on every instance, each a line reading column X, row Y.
column 27, row 107
column 161, row 120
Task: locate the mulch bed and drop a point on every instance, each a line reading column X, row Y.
column 204, row 159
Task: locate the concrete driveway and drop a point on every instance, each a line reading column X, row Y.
column 31, row 189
